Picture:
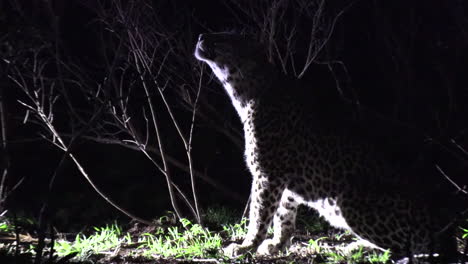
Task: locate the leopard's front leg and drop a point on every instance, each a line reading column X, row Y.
column 283, row 225
column 264, row 201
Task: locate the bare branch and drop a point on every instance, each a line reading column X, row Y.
column 460, row 189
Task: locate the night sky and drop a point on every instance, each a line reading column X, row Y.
column 406, row 61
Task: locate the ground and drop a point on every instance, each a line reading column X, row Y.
column 170, row 241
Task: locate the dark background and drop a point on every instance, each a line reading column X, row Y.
column 404, row 60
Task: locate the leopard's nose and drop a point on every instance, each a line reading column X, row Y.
column 201, row 37
column 200, row 43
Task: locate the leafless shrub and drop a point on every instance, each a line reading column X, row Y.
column 281, row 25
column 141, row 77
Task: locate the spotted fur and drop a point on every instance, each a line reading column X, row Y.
column 298, row 156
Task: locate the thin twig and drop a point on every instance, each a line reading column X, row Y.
column 223, row 189
column 4, row 150
column 324, row 42
column 57, row 140
column 110, row 201
column 189, row 149
column 460, row 189
column 158, row 134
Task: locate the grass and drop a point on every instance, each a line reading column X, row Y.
column 5, row 227
column 358, row 255
column 187, row 240
column 8, row 228
column 331, row 250
column 379, row 257
column 237, row 231
column 190, row 241
column 103, row 239
column 183, row 240
column 314, row 244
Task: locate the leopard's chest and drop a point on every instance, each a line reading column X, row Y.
column 265, row 143
column 252, row 150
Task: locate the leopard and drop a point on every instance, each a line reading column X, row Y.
column 300, row 152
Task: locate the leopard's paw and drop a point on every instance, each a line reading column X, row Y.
column 269, row 247
column 235, row 250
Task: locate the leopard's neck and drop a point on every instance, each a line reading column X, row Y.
column 246, row 89
column 245, row 97
column 241, row 103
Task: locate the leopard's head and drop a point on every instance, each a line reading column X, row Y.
column 239, row 62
